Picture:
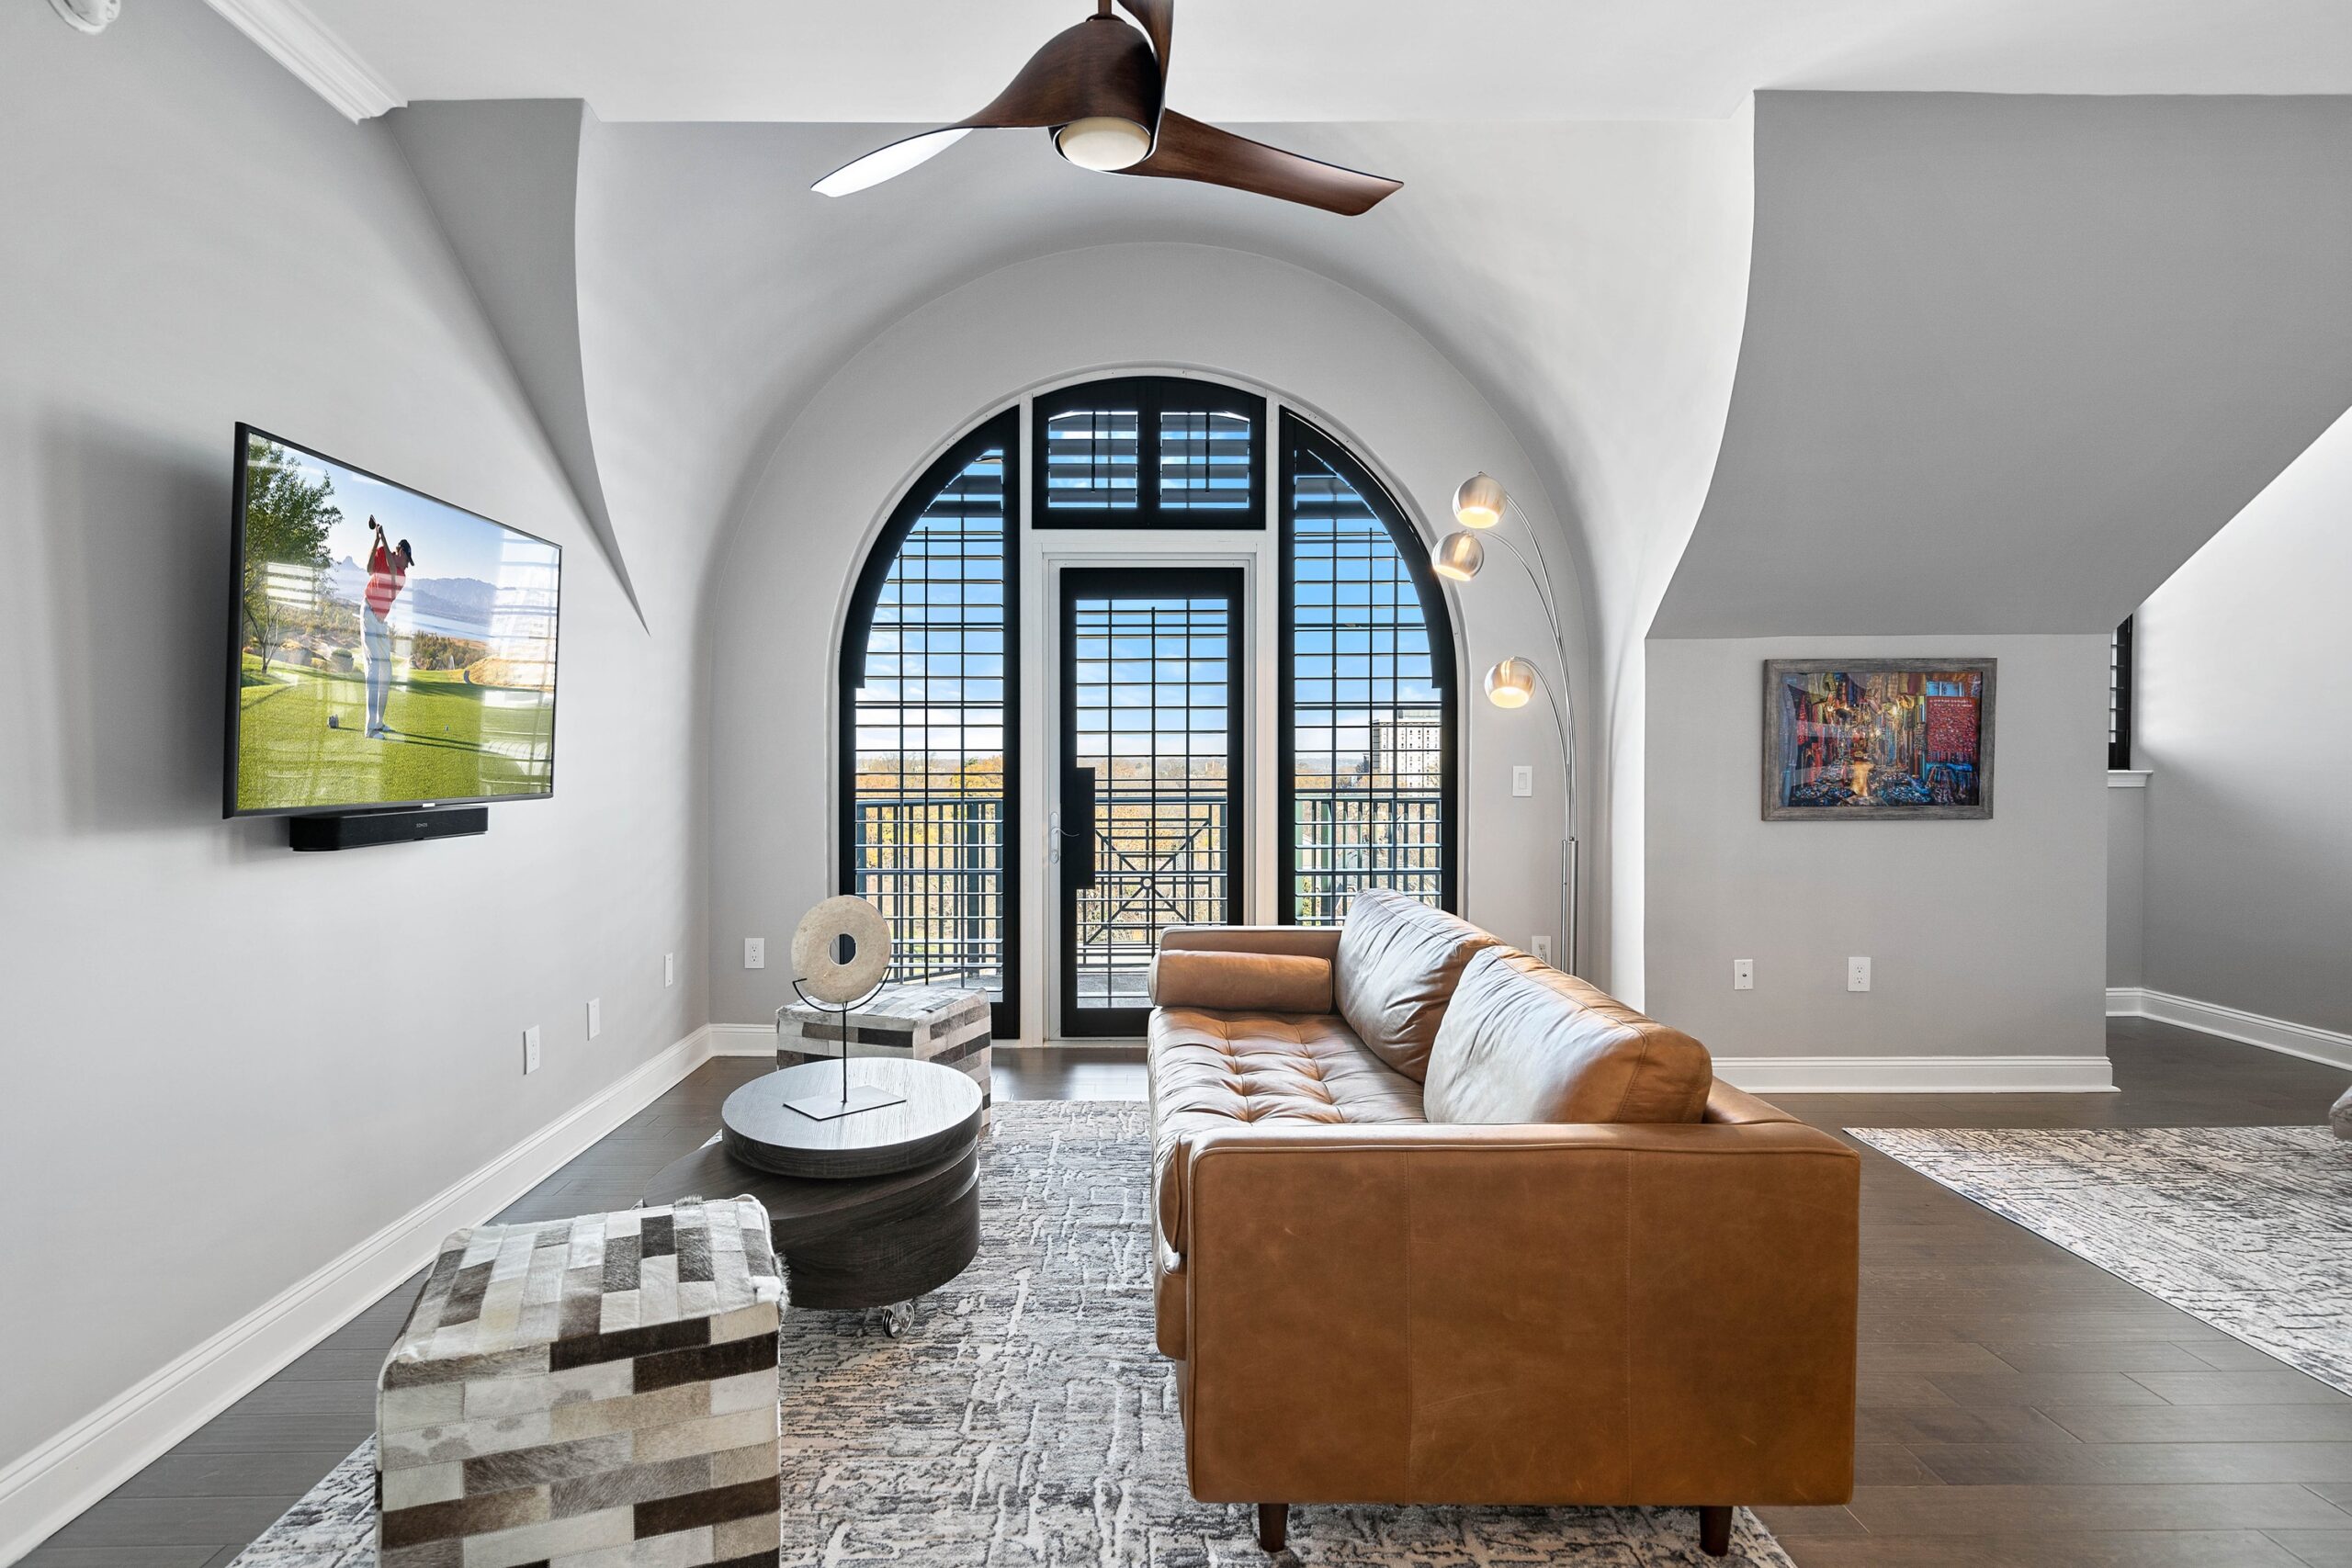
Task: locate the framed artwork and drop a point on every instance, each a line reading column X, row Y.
column 1866, row 739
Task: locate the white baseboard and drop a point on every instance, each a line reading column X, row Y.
column 1917, row 1075
column 2307, row 1040
column 742, row 1039
column 45, row 1489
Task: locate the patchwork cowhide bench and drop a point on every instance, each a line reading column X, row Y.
column 604, row 1385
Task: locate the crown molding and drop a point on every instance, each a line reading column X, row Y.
column 289, row 34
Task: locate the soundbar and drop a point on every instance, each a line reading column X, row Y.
column 357, row 830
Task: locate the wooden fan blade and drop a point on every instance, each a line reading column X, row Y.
column 1188, row 150
column 1102, row 66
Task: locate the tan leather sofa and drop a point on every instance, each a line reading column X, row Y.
column 1438, row 1225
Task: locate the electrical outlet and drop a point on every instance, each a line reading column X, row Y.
column 1522, row 779
column 596, row 1017
column 531, row 1049
column 669, row 970
column 1540, row 944
column 755, row 952
column 1857, row 974
column 1743, row 974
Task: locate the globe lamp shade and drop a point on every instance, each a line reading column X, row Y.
column 1511, row 684
column 1459, row 556
column 1479, row 502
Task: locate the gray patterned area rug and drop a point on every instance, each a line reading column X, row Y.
column 2249, row 1228
column 1026, row 1421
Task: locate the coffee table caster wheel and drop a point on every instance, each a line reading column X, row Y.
column 898, row 1317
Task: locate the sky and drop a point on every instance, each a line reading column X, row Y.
column 446, row 542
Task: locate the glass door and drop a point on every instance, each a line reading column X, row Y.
column 1150, row 831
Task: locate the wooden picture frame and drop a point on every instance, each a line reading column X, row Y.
column 1878, row 739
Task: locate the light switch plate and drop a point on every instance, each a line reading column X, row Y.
column 531, row 1049
column 1743, row 974
column 755, row 952
column 1522, row 779
column 669, row 969
column 1857, row 974
column 596, row 1017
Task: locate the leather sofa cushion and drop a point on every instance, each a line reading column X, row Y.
column 1212, row 1070
column 1255, row 982
column 1524, row 1043
column 1399, row 962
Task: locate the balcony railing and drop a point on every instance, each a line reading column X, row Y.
column 1343, row 843
column 934, row 865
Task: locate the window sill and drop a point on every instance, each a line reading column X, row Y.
column 2129, row 778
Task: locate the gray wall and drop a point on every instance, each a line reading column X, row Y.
column 2127, row 879
column 1985, row 936
column 226, row 1062
column 2245, row 718
column 2009, row 360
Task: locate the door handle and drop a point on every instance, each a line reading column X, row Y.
column 1078, row 814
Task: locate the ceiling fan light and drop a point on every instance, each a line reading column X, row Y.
column 1479, row 502
column 890, row 162
column 1510, row 684
column 1459, row 556
column 1104, row 142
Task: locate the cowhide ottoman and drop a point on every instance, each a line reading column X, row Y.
column 925, row 1023
column 597, row 1391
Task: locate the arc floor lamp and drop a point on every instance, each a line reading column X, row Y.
column 1480, row 506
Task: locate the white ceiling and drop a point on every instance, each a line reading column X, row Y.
column 930, row 60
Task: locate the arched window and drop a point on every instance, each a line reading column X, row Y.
column 930, row 697
column 1368, row 710
column 1149, row 775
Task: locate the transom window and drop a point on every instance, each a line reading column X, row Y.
column 1149, row 452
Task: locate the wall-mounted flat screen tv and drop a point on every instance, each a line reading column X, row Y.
column 386, row 650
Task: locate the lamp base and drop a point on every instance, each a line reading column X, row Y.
column 833, row 1107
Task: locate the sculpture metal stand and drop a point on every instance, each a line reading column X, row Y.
column 854, row 1098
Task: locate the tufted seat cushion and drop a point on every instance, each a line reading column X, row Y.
column 1212, row 1069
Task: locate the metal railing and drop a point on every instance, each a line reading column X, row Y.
column 1342, row 843
column 934, row 865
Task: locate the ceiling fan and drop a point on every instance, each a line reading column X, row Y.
column 1098, row 87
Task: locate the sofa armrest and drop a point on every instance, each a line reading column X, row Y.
column 1306, row 941
column 1226, row 981
column 1614, row 1314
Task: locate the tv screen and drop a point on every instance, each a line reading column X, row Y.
column 386, row 648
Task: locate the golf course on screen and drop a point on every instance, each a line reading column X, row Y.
column 392, row 650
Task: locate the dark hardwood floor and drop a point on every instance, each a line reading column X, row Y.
column 2019, row 1408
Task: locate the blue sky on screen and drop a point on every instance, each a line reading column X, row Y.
column 448, row 542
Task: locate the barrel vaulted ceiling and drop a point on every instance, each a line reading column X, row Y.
column 1573, row 233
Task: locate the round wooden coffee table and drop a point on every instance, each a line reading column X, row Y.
column 869, row 1210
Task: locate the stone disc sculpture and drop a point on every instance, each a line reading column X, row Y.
column 815, row 942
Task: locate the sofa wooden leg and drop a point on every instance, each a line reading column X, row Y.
column 1714, row 1531
column 1273, row 1525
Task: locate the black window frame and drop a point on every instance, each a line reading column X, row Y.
column 1297, row 436
column 998, row 431
column 2118, row 698
column 1153, row 397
